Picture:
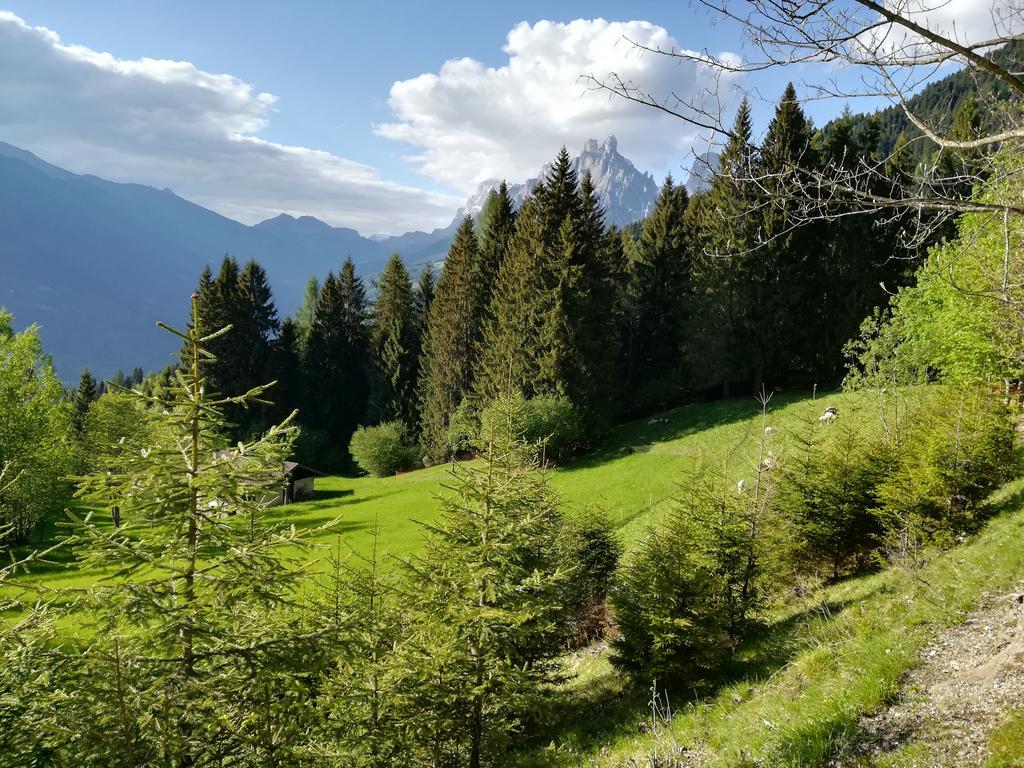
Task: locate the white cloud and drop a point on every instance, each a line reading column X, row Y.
column 966, row 21
column 474, row 122
column 963, row 21
column 167, row 123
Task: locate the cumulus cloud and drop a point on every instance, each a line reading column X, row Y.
column 965, row 21
column 168, row 123
column 473, row 122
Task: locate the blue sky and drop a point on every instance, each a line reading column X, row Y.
column 339, row 139
column 331, row 64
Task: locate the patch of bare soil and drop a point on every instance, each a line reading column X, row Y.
column 967, row 682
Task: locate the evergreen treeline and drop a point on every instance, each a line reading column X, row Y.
column 713, row 295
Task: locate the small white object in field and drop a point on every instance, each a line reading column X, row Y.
column 831, row 414
column 741, row 486
column 769, row 431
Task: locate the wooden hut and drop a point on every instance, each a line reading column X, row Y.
column 298, row 484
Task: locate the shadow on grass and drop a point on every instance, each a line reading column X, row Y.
column 675, row 424
column 326, row 507
column 326, row 495
column 584, row 717
column 1001, row 503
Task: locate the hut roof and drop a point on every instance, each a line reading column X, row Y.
column 296, row 471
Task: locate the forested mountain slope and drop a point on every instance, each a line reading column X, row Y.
column 937, row 103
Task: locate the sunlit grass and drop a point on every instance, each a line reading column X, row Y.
column 631, row 474
column 802, row 686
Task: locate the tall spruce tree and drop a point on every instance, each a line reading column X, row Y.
column 423, row 297
column 856, row 252
column 550, row 328
column 487, row 596
column 510, row 347
column 304, row 314
column 591, row 303
column 530, row 338
column 788, row 271
column 449, row 345
column 727, row 237
column 255, row 327
column 87, row 392
column 198, row 654
column 336, row 358
column 226, row 309
column 364, row 721
column 393, row 341
column 241, row 298
column 426, row 286
column 495, row 226
column 660, row 295
column 285, row 367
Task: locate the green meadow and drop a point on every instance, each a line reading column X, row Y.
column 631, row 475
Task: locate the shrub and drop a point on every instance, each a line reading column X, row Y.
column 590, row 546
column 382, row 450
column 114, row 424
column 35, row 433
column 463, row 427
column 959, row 449
column 829, row 493
column 666, row 606
column 686, row 597
column 550, row 422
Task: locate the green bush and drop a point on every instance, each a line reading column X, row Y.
column 463, row 427
column 114, row 424
column 829, row 493
column 591, row 548
column 958, row 450
column 550, row 422
column 383, row 450
column 36, row 431
column 686, row 597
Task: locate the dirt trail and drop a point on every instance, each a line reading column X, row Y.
column 970, row 677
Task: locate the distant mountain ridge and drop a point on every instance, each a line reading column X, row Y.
column 97, row 263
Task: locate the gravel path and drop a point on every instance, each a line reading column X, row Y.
column 969, row 679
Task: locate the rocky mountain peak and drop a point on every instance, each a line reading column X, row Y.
column 610, row 146
column 626, row 193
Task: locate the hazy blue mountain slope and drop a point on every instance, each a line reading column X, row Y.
column 96, row 263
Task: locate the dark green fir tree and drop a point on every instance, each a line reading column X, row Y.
column 449, row 350
column 393, row 342
column 86, row 393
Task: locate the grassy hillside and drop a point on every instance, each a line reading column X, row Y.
column 631, row 475
column 799, row 690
